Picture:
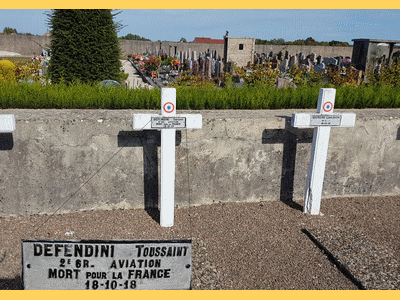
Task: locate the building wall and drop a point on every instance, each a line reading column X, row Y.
column 24, row 44
column 239, row 50
column 237, row 156
column 32, row 45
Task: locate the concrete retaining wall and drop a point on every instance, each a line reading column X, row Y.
column 92, row 159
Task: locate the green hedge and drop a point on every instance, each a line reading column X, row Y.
column 84, row 96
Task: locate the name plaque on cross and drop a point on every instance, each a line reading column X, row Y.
column 322, row 122
column 7, row 123
column 167, row 122
column 328, row 120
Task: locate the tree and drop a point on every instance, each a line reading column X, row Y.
column 131, row 36
column 183, row 40
column 9, row 30
column 84, row 45
column 310, row 41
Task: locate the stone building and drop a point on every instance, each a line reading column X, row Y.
column 368, row 52
column 239, row 50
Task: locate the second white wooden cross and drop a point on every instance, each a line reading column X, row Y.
column 167, row 122
column 322, row 122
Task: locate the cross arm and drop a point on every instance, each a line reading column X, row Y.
column 303, row 120
column 143, row 121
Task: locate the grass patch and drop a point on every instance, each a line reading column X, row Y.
column 86, row 96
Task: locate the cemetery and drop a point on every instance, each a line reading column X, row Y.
column 88, row 161
column 228, row 133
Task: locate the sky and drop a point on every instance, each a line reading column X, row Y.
column 172, row 25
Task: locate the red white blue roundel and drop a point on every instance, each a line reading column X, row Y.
column 169, row 107
column 327, row 107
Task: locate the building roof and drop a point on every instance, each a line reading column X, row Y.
column 203, row 40
column 376, row 41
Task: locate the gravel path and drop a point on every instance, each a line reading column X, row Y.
column 242, row 245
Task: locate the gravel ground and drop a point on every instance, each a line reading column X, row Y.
column 255, row 246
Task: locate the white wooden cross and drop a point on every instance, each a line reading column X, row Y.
column 322, row 122
column 7, row 123
column 167, row 122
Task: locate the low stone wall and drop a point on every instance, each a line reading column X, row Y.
column 71, row 160
column 32, row 45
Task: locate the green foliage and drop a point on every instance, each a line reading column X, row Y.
column 134, row 37
column 388, row 75
column 192, row 80
column 167, row 61
column 84, row 46
column 338, row 44
column 9, row 30
column 7, row 71
column 258, row 76
column 270, row 42
column 308, row 41
column 28, row 70
column 78, row 95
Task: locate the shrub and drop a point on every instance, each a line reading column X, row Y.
column 7, row 71
column 258, row 76
column 84, row 46
column 387, row 75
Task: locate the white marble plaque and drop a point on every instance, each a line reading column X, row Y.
column 106, row 265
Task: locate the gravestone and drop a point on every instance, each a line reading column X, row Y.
column 283, row 65
column 213, row 67
column 167, row 122
column 319, row 67
column 312, row 57
column 274, row 62
column 330, row 61
column 220, row 69
column 302, row 58
column 208, row 67
column 322, row 122
column 190, row 64
column 293, row 61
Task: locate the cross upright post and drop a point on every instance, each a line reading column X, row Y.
column 167, row 195
column 322, row 122
column 167, row 122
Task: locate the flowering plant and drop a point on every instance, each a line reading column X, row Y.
column 175, row 64
column 152, row 63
